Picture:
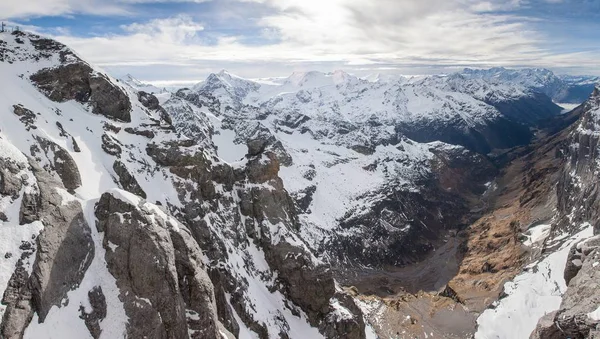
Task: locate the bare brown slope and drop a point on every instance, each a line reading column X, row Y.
column 522, row 196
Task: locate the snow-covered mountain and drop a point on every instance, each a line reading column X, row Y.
column 138, row 85
column 561, row 88
column 115, row 224
column 320, row 205
column 474, row 113
column 368, row 195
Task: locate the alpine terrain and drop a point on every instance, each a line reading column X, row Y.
column 318, row 205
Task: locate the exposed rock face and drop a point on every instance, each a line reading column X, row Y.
column 111, row 145
column 59, row 161
column 78, row 81
column 151, row 102
column 98, row 313
column 577, row 256
column 64, row 252
column 259, row 139
column 26, row 116
column 159, row 271
column 578, row 187
column 127, row 181
column 578, row 316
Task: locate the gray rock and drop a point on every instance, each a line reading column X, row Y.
column 64, row 252
column 340, row 326
column 126, row 180
column 159, row 272
column 10, row 184
column 111, row 145
column 78, row 81
column 142, row 132
column 65, row 247
column 19, row 306
column 98, row 313
column 61, row 162
column 582, row 297
column 26, row 116
column 577, row 255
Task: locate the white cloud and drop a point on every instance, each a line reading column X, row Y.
column 352, row 33
column 16, row 9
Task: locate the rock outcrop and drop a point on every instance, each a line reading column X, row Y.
column 78, row 81
column 58, row 161
column 578, row 188
column 579, row 313
column 159, row 270
column 63, row 252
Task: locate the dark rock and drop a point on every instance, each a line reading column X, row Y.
column 78, row 81
column 143, row 132
column 366, row 150
column 26, row 116
column 62, row 163
column 346, row 323
column 151, row 102
column 64, row 252
column 148, row 100
column 97, row 314
column 309, row 174
column 256, row 146
column 110, row 145
column 224, row 310
column 449, row 292
column 30, row 208
column 126, row 180
column 153, row 261
column 75, row 145
column 176, row 154
column 19, row 306
column 308, row 285
column 304, row 198
column 110, row 127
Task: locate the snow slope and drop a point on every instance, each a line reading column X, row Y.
column 532, row 294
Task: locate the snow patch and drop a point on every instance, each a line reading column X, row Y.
column 532, row 294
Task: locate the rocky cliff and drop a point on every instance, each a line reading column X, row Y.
column 115, row 222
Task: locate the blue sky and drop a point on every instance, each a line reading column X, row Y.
column 183, row 41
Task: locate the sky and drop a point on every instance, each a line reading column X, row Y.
column 179, row 41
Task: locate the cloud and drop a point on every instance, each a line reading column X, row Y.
column 16, row 9
column 176, row 30
column 359, row 34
